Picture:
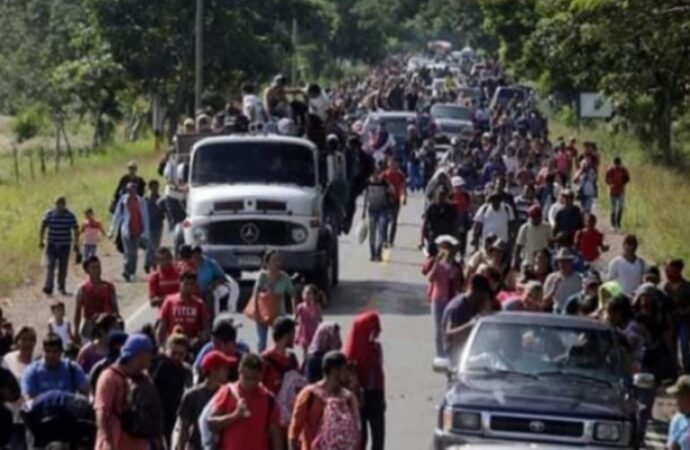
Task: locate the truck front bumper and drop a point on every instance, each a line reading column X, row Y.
column 249, row 260
column 444, row 440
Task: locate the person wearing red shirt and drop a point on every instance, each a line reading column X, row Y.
column 186, row 311
column 244, row 414
column 397, row 180
column 165, row 280
column 617, row 177
column 94, row 296
column 564, row 165
column 589, row 241
column 571, row 148
column 279, row 360
column 461, row 199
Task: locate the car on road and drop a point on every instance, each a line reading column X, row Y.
column 452, row 121
column 396, row 123
column 242, row 202
column 539, row 378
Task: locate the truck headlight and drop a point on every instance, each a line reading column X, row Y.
column 469, row 421
column 608, row 432
column 461, row 420
column 299, row 235
column 200, row 235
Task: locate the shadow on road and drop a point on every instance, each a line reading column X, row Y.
column 389, row 298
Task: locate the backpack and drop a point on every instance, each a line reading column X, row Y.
column 338, row 429
column 141, row 416
column 293, row 383
column 378, row 197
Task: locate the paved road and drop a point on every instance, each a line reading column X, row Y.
column 396, row 288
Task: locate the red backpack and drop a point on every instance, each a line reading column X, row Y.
column 339, row 429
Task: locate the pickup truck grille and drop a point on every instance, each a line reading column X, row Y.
column 249, row 233
column 534, row 426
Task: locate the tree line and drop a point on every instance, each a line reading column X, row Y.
column 99, row 58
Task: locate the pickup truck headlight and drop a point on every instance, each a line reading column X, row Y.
column 461, row 420
column 608, row 432
column 200, row 235
column 299, row 235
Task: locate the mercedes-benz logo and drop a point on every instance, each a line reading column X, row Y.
column 537, row 426
column 249, row 233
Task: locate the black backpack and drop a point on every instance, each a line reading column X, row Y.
column 142, row 414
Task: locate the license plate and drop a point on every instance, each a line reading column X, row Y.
column 249, row 260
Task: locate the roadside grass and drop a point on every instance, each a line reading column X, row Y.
column 657, row 208
column 89, row 183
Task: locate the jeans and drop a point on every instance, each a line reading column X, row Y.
column 645, row 399
column 131, row 247
column 617, row 206
column 587, row 202
column 89, row 250
column 58, row 257
column 152, row 246
column 683, row 332
column 377, row 232
column 392, row 225
column 414, row 175
column 373, row 415
column 262, row 332
column 437, row 309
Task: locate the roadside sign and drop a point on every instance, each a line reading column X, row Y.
column 593, row 105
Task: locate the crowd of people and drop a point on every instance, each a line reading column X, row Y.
column 508, row 224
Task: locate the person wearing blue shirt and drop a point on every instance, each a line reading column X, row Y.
column 208, row 271
column 679, row 431
column 52, row 372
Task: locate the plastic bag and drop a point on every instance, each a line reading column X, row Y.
column 362, row 230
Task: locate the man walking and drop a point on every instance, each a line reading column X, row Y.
column 398, row 182
column 628, row 269
column 377, row 202
column 93, row 297
column 534, row 235
column 156, row 213
column 132, row 219
column 60, row 223
column 130, row 177
column 617, row 177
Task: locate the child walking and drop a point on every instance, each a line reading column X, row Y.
column 59, row 325
column 308, row 316
column 91, row 231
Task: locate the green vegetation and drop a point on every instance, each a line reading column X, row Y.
column 655, row 198
column 85, row 185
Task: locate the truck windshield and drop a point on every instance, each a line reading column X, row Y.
column 252, row 162
column 545, row 351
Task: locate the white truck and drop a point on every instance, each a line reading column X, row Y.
column 248, row 194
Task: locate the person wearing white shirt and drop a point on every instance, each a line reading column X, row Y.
column 628, row 269
column 251, row 105
column 533, row 236
column 494, row 217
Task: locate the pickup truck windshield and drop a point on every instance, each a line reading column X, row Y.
column 451, row 112
column 252, row 162
column 543, row 351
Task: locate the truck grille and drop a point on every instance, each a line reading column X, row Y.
column 534, row 426
column 249, row 233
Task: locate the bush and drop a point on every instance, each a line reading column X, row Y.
column 28, row 123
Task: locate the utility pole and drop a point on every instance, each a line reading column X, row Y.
column 295, row 59
column 199, row 55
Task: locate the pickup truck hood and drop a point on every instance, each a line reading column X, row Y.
column 277, row 199
column 548, row 395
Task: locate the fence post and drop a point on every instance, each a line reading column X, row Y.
column 31, row 164
column 15, row 156
column 57, row 149
column 42, row 157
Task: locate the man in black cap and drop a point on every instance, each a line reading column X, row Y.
column 223, row 339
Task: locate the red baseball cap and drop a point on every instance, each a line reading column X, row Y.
column 534, row 211
column 215, row 360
